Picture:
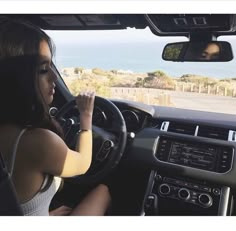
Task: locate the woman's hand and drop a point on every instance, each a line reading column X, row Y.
column 85, row 104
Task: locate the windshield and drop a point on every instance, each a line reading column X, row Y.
column 127, row 64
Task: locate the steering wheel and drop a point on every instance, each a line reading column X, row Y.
column 108, row 143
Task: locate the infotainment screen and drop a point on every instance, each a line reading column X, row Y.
column 205, row 156
column 193, row 155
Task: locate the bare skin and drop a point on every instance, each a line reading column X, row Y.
column 41, row 151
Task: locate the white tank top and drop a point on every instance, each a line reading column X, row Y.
column 39, row 204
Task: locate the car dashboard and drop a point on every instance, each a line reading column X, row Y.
column 190, row 154
column 192, row 157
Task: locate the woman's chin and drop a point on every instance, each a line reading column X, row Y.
column 49, row 100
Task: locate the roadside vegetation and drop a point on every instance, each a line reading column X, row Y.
column 103, row 81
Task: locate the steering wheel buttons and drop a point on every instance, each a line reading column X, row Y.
column 108, row 144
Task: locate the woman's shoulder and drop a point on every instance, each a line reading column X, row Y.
column 38, row 144
column 39, row 136
column 39, row 132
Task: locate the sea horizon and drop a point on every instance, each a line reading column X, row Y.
column 138, row 58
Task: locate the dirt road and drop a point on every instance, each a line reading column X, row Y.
column 203, row 102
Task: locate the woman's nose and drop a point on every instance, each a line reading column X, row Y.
column 53, row 75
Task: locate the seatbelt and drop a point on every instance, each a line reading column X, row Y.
column 12, row 162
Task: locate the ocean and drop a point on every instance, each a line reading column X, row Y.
column 136, row 57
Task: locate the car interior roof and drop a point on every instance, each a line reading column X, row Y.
column 160, row 24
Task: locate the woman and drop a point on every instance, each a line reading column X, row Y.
column 27, row 86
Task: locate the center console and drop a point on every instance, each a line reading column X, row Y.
column 175, row 196
column 170, row 194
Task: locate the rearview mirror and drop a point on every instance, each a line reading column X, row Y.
column 213, row 51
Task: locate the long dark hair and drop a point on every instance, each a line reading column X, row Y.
column 20, row 100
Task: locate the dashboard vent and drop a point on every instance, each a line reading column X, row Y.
column 213, row 132
column 183, row 128
column 232, row 136
column 164, row 126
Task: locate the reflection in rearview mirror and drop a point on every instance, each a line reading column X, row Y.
column 214, row 51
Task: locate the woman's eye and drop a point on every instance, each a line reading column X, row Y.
column 43, row 71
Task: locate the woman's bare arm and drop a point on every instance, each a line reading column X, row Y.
column 51, row 154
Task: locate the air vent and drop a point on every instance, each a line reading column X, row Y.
column 165, row 125
column 232, row 136
column 183, row 128
column 213, row 132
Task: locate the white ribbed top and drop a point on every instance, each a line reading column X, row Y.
column 39, row 204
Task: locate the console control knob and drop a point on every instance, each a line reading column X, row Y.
column 205, row 199
column 184, row 194
column 164, row 189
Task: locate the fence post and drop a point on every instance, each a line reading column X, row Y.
column 208, row 89
column 225, row 92
column 183, row 88
column 199, row 88
column 217, row 90
column 191, row 87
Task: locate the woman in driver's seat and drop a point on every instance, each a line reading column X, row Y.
column 27, row 86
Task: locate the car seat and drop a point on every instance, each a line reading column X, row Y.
column 9, row 204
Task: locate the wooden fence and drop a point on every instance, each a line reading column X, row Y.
column 144, row 95
column 206, row 89
column 163, row 97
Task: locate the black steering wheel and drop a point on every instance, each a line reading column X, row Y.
column 108, row 143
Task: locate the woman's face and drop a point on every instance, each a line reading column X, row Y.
column 47, row 77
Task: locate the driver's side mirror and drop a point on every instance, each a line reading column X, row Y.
column 210, row 51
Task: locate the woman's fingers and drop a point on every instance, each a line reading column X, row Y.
column 85, row 102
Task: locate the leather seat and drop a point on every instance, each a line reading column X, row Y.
column 9, row 204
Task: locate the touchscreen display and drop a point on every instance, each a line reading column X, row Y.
column 207, row 156
column 193, row 155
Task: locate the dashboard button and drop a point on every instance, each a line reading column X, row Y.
column 216, row 191
column 204, row 188
column 196, row 186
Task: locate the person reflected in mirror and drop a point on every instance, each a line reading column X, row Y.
column 203, row 51
column 211, row 51
column 27, row 88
